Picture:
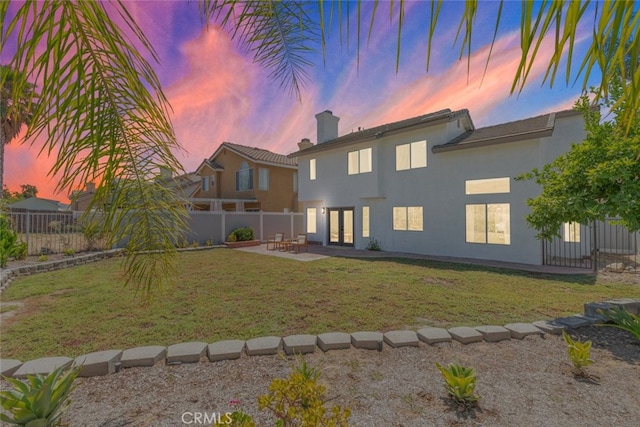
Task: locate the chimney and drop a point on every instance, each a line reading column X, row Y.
column 327, row 126
column 90, row 187
column 304, row 144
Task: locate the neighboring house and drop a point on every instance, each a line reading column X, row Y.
column 186, row 185
column 431, row 184
column 36, row 204
column 241, row 178
column 80, row 199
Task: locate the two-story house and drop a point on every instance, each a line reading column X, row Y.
column 241, row 178
column 432, row 184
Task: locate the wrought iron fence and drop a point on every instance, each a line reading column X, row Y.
column 53, row 232
column 599, row 245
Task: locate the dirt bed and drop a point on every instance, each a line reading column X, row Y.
column 528, row 382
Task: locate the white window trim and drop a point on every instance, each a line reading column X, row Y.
column 359, row 155
column 412, row 158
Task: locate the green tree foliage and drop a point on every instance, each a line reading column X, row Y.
column 597, row 179
column 26, row 191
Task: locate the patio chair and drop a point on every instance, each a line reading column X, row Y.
column 276, row 241
column 300, row 242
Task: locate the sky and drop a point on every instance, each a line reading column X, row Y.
column 218, row 93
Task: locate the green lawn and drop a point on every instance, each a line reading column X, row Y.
column 226, row 294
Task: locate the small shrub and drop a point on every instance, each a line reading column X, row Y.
column 460, row 383
column 237, row 418
column 40, row 401
column 55, row 226
column 69, row 252
column 374, row 245
column 194, row 244
column 300, row 400
column 8, row 240
column 208, row 243
column 92, row 235
column 43, row 258
column 622, row 319
column 241, row 234
column 20, row 251
column 579, row 353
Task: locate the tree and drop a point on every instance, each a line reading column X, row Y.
column 597, row 179
column 28, row 190
column 15, row 110
column 103, row 111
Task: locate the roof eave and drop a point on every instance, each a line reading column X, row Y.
column 539, row 133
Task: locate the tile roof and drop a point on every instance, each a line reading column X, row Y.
column 378, row 131
column 258, row 155
column 534, row 127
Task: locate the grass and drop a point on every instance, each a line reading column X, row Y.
column 225, row 294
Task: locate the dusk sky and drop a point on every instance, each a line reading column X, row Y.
column 218, row 94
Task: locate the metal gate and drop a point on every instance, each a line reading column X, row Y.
column 602, row 244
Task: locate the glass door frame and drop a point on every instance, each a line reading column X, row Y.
column 343, row 229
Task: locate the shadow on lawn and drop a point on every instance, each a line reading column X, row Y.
column 588, row 278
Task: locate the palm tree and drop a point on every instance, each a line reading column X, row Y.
column 103, row 111
column 15, row 110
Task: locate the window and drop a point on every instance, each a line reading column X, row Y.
column 295, row 182
column 365, row 221
column 571, row 232
column 487, row 186
column 244, row 178
column 205, row 183
column 312, row 169
column 407, row 218
column 411, row 156
column 263, row 179
column 311, row 220
column 488, row 223
column 359, row 161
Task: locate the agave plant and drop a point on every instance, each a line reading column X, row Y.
column 460, row 383
column 40, row 401
column 622, row 319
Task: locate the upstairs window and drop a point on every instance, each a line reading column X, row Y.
column 244, row 178
column 487, row 186
column 205, row 183
column 411, row 156
column 359, row 161
column 312, row 169
column 263, row 179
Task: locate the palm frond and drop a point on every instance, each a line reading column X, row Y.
column 103, row 115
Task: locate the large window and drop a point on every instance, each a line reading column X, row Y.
column 311, row 220
column 244, row 178
column 365, row 221
column 488, row 223
column 359, row 161
column 312, row 169
column 571, row 232
column 263, row 179
column 407, row 218
column 487, row 186
column 411, row 156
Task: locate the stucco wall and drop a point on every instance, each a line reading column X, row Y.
column 439, row 189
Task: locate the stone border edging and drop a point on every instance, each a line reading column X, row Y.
column 111, row 361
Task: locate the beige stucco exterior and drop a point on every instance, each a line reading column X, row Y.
column 220, row 173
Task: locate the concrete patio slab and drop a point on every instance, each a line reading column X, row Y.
column 334, row 341
column 263, row 346
column 521, row 330
column 9, row 366
column 434, row 335
column 401, row 338
column 42, row 366
column 550, row 327
column 492, row 333
column 225, row 350
column 98, row 363
column 186, row 352
column 367, row 340
column 465, row 334
column 143, row 356
column 300, row 344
